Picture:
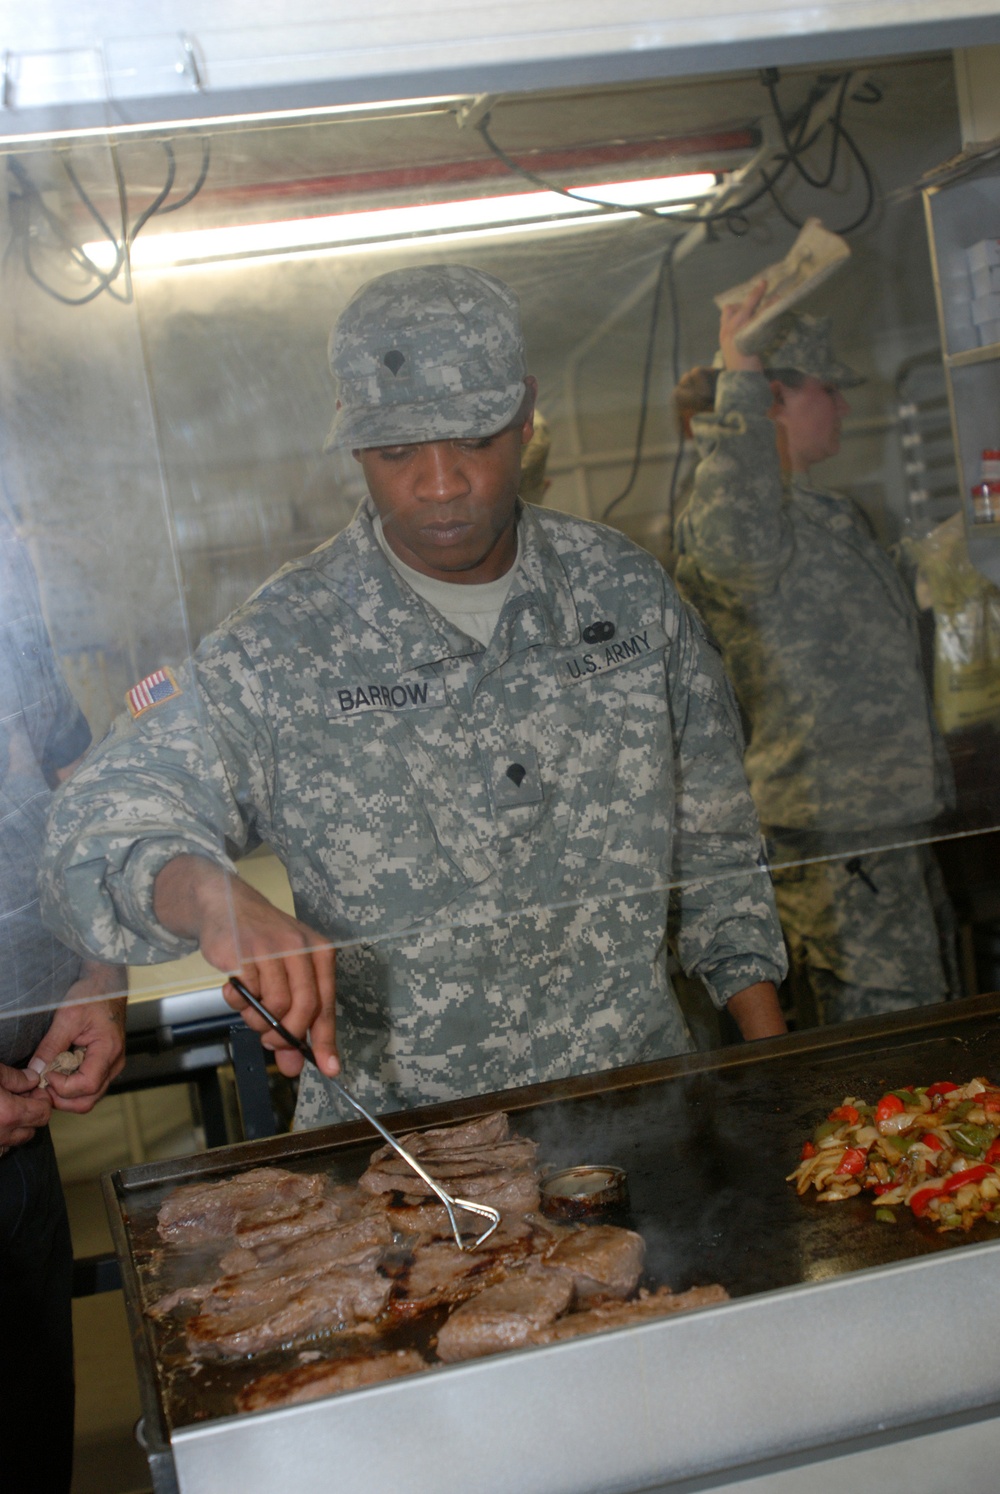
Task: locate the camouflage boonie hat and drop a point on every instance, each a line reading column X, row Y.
column 804, row 343
column 428, row 354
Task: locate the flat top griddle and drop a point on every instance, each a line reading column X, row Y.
column 707, row 1141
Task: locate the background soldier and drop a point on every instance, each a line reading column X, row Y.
column 820, row 636
column 484, row 738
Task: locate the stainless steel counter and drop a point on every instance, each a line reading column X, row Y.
column 840, row 1328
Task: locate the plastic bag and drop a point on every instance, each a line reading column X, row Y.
column 967, row 627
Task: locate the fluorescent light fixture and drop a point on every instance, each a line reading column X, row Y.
column 527, row 210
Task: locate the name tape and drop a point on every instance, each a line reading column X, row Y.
column 404, row 695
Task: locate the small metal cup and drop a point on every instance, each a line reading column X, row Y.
column 584, row 1192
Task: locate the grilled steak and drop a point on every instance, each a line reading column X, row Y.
column 438, row 1272
column 486, row 1132
column 264, row 1275
column 505, row 1316
column 253, row 1320
column 302, row 1258
column 647, row 1305
column 200, row 1213
column 602, row 1259
column 511, row 1194
column 308, row 1381
column 340, row 1244
column 448, row 1165
column 314, row 1214
column 480, row 1160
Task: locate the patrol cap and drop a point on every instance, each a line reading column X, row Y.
column 804, row 343
column 432, row 353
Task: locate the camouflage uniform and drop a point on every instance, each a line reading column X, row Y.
column 819, row 634
column 487, row 834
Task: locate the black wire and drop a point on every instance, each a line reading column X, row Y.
column 30, row 196
column 866, row 172
column 539, row 181
column 206, row 159
column 869, row 93
column 796, row 148
column 158, row 200
column 661, row 215
column 675, row 473
column 666, row 273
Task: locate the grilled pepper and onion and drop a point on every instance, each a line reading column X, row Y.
column 935, row 1148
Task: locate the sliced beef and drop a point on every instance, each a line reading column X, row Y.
column 487, row 1132
column 314, row 1214
column 278, row 1270
column 480, row 1160
column 446, row 1166
column 250, row 1322
column 604, row 1261
column 341, row 1243
column 438, row 1272
column 644, row 1308
column 505, row 1316
column 509, row 1194
column 195, row 1291
column 200, row 1213
column 308, row 1381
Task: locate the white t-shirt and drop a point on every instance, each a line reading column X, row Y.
column 474, row 607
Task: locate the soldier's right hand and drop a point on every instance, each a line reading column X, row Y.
column 285, row 963
column 23, row 1106
column 734, row 318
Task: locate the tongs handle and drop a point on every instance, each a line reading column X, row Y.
column 305, row 1049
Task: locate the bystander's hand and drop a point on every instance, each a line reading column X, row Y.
column 23, row 1106
column 734, row 318
column 93, row 1020
column 284, row 962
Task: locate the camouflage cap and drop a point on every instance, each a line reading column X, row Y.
column 804, row 344
column 426, row 354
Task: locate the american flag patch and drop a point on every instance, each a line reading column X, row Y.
column 153, row 690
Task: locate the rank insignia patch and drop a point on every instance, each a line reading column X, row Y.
column 152, row 691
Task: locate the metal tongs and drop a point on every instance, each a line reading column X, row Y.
column 451, row 1204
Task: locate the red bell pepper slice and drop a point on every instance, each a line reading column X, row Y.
column 808, row 1150
column 845, row 1113
column 934, row 1142
column 920, row 1201
column 881, row 1188
column 993, row 1153
column 943, row 1087
column 888, row 1105
column 852, row 1161
column 957, row 1180
column 990, row 1100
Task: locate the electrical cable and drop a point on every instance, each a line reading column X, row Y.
column 29, row 201
column 795, row 148
column 792, row 128
column 666, row 273
column 539, row 181
column 736, row 213
column 21, row 215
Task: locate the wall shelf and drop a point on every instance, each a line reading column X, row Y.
column 971, row 356
column 962, row 211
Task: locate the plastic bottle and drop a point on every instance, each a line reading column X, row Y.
column 986, row 502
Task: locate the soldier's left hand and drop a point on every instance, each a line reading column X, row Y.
column 88, row 1019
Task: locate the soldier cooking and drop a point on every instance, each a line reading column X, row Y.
column 483, row 738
